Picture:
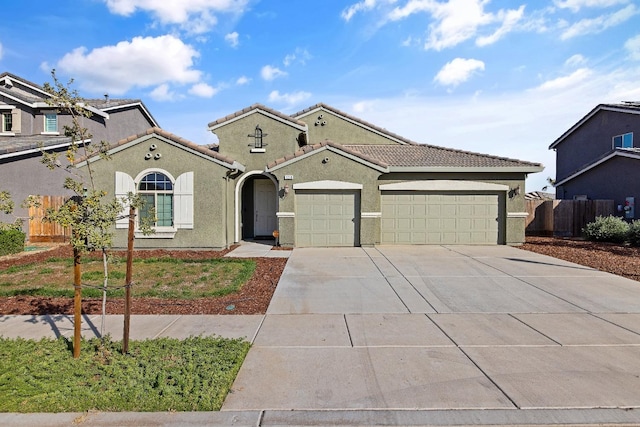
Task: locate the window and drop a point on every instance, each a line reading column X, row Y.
column 623, row 141
column 156, row 190
column 257, row 135
column 7, row 122
column 51, row 123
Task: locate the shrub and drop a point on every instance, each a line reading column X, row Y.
column 634, row 233
column 11, row 241
column 607, row 229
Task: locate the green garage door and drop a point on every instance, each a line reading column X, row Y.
column 326, row 218
column 415, row 217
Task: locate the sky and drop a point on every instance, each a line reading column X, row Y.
column 500, row 77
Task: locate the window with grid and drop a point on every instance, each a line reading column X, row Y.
column 156, row 190
column 7, row 122
column 51, row 122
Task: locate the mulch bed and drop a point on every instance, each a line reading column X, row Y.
column 253, row 297
column 613, row 258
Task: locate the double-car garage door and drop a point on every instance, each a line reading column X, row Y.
column 416, row 217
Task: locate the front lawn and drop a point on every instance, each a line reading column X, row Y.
column 163, row 277
column 158, row 375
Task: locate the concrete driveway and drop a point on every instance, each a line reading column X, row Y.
column 490, row 335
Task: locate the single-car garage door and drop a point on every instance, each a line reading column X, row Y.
column 326, row 218
column 416, row 217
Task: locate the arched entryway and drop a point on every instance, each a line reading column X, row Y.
column 256, row 206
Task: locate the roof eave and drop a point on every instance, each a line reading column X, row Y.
column 456, row 169
column 379, row 168
column 300, row 126
column 597, row 163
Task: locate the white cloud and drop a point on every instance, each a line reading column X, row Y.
column 575, row 60
column 142, row 62
column 458, row 71
column 599, row 24
column 455, row 21
column 289, row 98
column 271, row 73
column 565, row 82
column 509, row 21
column 232, row 39
column 576, row 5
column 243, row 80
column 300, row 55
column 364, row 5
column 633, row 47
column 196, row 16
column 203, row 90
column 162, row 93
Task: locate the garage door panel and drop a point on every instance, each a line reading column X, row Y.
column 436, row 218
column 326, row 218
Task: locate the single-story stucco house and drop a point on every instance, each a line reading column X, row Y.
column 319, row 177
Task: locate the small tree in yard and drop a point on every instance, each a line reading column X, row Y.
column 11, row 234
column 90, row 213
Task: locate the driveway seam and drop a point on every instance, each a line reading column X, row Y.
column 346, row 324
column 534, row 329
column 401, row 275
column 613, row 323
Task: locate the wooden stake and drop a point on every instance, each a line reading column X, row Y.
column 127, row 290
column 77, row 303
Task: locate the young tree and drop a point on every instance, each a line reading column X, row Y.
column 90, row 213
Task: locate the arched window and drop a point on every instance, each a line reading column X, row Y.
column 156, row 189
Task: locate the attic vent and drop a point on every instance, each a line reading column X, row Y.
column 7, row 82
column 302, row 139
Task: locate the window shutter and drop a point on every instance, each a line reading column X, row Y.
column 15, row 121
column 124, row 185
column 183, row 201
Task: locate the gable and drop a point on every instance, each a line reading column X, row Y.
column 328, row 123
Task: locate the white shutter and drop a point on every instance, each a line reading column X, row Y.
column 16, row 121
column 183, row 201
column 124, row 185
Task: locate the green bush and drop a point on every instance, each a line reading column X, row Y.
column 11, row 241
column 634, row 233
column 607, row 229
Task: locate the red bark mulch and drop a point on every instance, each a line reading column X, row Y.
column 253, row 297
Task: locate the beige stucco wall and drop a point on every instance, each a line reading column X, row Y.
column 234, row 142
column 340, row 130
column 209, row 195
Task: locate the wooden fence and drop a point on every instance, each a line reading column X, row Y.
column 564, row 218
column 43, row 231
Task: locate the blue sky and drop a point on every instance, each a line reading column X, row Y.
column 502, row 77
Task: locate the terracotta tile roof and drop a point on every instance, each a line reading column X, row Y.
column 309, row 148
column 432, row 156
column 256, row 107
column 160, row 132
column 355, row 119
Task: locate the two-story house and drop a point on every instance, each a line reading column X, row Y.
column 29, row 123
column 596, row 158
column 320, row 177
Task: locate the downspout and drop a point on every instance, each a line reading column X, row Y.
column 226, row 205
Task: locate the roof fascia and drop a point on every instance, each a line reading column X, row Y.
column 259, row 110
column 355, row 122
column 506, row 169
column 598, row 163
column 587, row 117
column 134, row 104
column 332, row 149
column 37, row 150
column 30, row 85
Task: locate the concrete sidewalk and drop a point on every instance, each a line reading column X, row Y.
column 411, row 336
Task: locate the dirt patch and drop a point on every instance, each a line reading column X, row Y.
column 253, row 298
column 609, row 257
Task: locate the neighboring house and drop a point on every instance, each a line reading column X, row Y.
column 599, row 157
column 318, row 178
column 29, row 123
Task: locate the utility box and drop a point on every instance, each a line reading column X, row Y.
column 629, row 208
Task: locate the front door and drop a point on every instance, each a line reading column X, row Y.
column 264, row 205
